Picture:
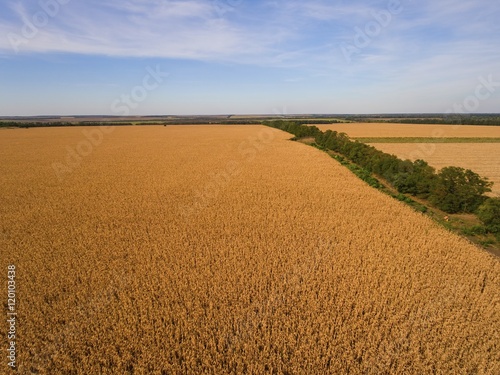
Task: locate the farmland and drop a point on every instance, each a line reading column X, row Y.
column 358, row 130
column 229, row 249
column 471, row 147
column 482, row 158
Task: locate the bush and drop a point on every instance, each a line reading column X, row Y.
column 475, row 230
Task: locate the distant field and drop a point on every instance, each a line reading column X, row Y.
column 482, row 158
column 425, row 140
column 355, row 130
column 472, row 147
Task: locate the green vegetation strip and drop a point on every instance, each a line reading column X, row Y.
column 424, row 140
column 452, row 189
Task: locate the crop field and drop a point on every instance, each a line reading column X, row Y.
column 358, row 130
column 228, row 250
column 482, row 158
column 471, row 147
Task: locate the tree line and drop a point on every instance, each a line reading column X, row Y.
column 436, row 118
column 462, row 120
column 452, row 189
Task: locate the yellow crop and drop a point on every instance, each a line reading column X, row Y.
column 229, row 249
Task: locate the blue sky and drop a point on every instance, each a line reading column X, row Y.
column 63, row 57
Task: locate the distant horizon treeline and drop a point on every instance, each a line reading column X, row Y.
column 40, row 124
column 486, row 119
column 440, row 119
column 490, row 121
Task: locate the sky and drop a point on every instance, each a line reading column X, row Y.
column 194, row 57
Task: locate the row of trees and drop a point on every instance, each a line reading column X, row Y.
column 452, row 190
column 297, row 129
column 453, row 120
column 444, row 119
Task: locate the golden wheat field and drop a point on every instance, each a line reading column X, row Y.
column 410, row 130
column 482, row 158
column 229, row 250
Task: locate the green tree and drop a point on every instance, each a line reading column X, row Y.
column 489, row 214
column 414, row 178
column 459, row 190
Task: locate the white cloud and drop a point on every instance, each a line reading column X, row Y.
column 278, row 33
column 175, row 29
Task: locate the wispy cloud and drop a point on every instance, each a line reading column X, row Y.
column 426, row 47
column 272, row 31
column 172, row 29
